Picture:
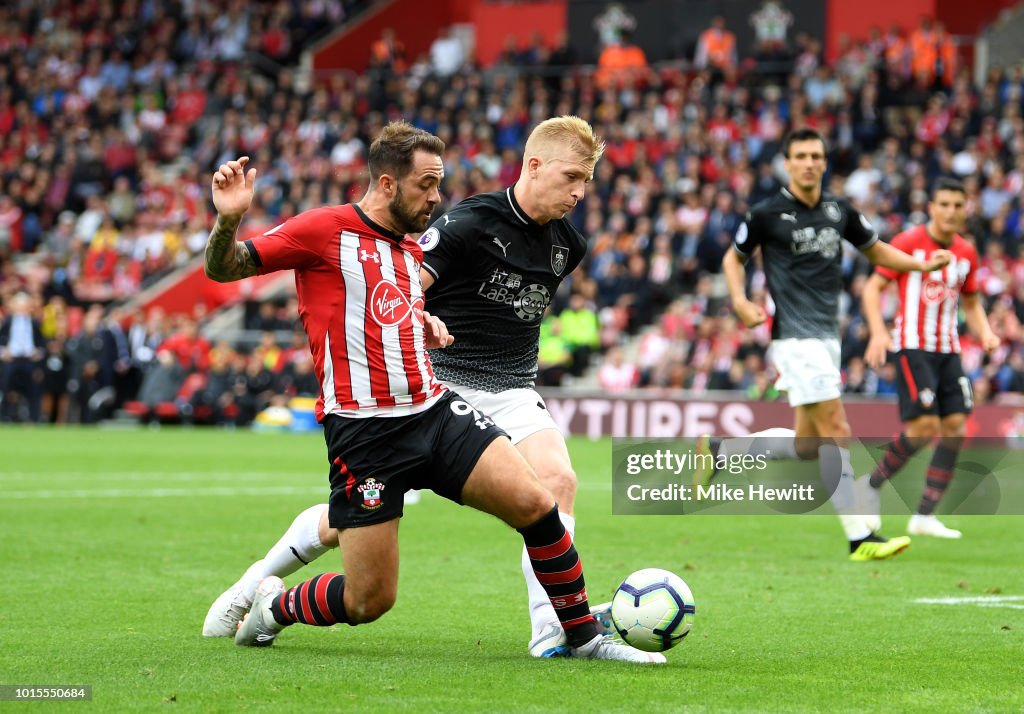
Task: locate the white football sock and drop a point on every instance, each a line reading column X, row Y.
column 541, row 611
column 837, row 474
column 775, row 443
column 300, row 545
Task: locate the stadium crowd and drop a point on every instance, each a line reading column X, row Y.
column 112, row 117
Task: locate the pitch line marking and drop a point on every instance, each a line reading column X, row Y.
column 164, row 492
column 1013, row 602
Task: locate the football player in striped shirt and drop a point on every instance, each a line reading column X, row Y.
column 934, row 393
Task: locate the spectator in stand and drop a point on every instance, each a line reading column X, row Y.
column 581, row 331
column 218, row 392
column 189, row 347
column 91, row 367
column 162, row 381
column 55, row 383
column 554, row 354
column 388, row 52
column 253, row 390
column 269, row 352
column 298, row 379
column 716, row 48
column 621, row 63
column 21, row 362
column 616, row 375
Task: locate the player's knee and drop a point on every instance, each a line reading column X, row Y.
column 924, row 429
column 806, row 448
column 370, row 606
column 561, row 482
column 840, row 428
column 954, row 428
column 532, row 504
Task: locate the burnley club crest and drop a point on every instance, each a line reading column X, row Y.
column 559, row 257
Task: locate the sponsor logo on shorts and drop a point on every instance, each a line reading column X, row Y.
column 371, row 490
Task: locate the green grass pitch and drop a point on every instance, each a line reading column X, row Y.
column 114, row 543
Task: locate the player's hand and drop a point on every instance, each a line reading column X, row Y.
column 233, row 187
column 877, row 350
column 990, row 342
column 435, row 332
column 751, row 314
column 939, row 259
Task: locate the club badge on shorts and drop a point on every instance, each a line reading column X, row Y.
column 371, row 489
column 926, row 397
column 559, row 258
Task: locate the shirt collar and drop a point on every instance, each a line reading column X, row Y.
column 518, row 210
column 384, row 232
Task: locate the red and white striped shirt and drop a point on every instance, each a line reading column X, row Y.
column 929, row 302
column 358, row 285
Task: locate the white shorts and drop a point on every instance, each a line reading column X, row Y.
column 520, row 412
column 808, row 369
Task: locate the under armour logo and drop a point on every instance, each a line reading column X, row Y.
column 365, row 256
column 504, row 248
column 788, row 217
column 262, row 637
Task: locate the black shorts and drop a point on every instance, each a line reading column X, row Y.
column 375, row 460
column 932, row 383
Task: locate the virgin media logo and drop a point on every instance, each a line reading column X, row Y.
column 389, row 306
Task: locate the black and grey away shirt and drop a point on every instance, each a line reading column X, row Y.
column 802, row 253
column 495, row 271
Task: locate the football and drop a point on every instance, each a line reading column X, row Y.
column 653, row 610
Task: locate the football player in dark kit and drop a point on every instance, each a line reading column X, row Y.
column 800, row 232
column 490, row 268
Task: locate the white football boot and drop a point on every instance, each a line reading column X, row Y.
column 608, row 647
column 930, row 526
column 259, row 628
column 226, row 612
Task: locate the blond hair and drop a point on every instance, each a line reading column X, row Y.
column 552, row 137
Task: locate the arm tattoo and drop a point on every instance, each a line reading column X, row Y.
column 227, row 259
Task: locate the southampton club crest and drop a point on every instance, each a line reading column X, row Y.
column 832, row 212
column 927, row 398
column 371, row 489
column 559, row 258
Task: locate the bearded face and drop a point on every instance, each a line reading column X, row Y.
column 410, row 214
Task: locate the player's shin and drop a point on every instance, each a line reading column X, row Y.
column 938, row 476
column 319, row 601
column 541, row 612
column 837, row 474
column 896, row 455
column 557, row 567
